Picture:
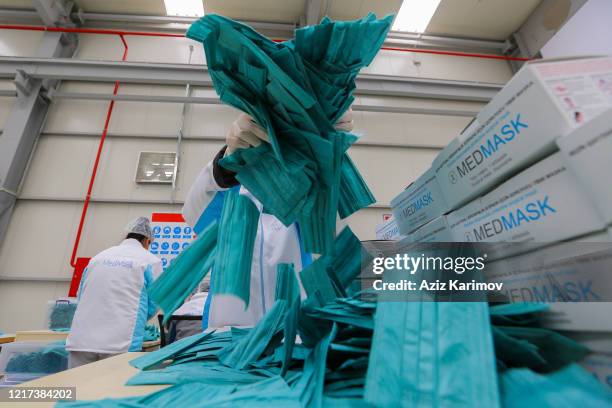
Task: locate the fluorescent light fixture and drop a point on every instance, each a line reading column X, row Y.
column 184, row 8
column 414, row 15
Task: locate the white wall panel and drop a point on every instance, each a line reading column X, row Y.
column 401, row 129
column 18, row 43
column 152, row 118
column 401, row 63
column 62, row 165
column 387, row 171
column 41, row 234
column 364, row 222
column 23, row 305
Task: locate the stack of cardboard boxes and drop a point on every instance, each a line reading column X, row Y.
column 533, row 169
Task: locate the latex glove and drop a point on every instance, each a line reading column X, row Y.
column 244, row 133
column 345, row 123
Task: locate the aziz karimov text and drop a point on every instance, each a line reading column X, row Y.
column 451, row 285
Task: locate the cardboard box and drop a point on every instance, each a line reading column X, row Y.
column 434, row 231
column 418, row 204
column 542, row 102
column 588, row 152
column 573, row 277
column 387, row 230
column 542, row 204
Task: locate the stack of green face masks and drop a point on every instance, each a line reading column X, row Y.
column 61, row 315
column 184, row 274
column 430, row 354
column 237, row 230
column 296, row 91
column 519, row 342
column 151, row 333
column 51, row 359
column 569, row 387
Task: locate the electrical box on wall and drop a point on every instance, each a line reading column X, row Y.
column 156, row 168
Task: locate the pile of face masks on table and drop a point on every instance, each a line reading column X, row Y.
column 151, row 333
column 51, row 359
column 356, row 353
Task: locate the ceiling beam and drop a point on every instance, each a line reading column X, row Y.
column 177, row 24
column 197, row 75
column 53, row 12
column 547, row 18
column 312, row 12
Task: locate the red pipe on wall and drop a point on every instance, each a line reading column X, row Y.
column 157, row 34
column 94, row 171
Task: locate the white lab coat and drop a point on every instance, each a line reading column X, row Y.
column 193, row 307
column 113, row 302
column 274, row 244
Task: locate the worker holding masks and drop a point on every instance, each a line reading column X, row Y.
column 113, row 303
column 274, row 243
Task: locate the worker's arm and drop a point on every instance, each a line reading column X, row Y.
column 212, row 180
column 82, row 283
column 152, row 272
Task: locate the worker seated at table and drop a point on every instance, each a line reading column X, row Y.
column 113, row 303
column 193, row 306
column 274, row 242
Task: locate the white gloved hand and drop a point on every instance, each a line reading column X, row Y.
column 244, row 133
column 345, row 123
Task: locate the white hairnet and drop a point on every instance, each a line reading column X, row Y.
column 140, row 225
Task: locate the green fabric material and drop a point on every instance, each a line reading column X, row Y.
column 237, row 230
column 61, row 316
column 310, row 385
column 51, row 359
column 432, row 354
column 521, row 314
column 207, row 372
column 317, row 283
column 295, row 90
column 536, row 348
column 347, row 257
column 288, row 289
column 185, row 273
column 250, row 347
column 155, row 358
column 569, row 387
column 151, row 333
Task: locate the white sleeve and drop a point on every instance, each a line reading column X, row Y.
column 200, row 195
